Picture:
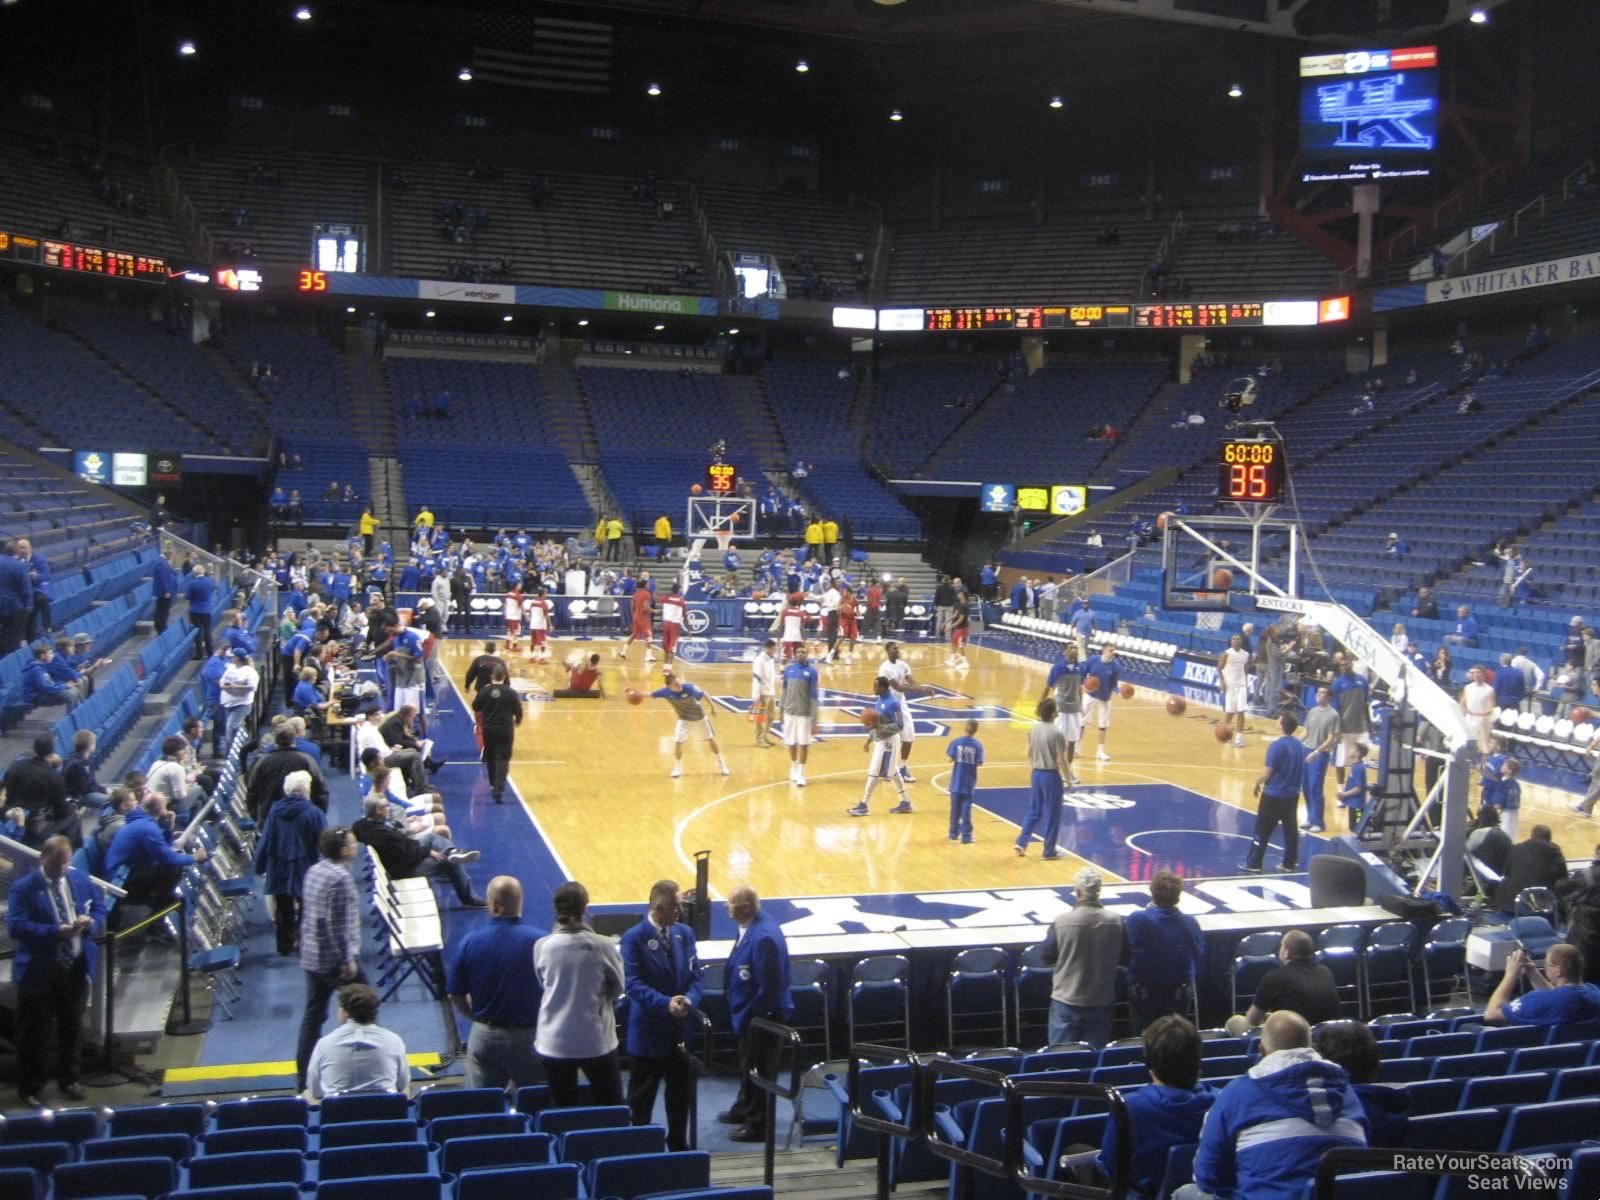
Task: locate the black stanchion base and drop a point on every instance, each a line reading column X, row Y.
column 189, row 1028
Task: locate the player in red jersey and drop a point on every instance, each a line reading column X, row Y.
column 849, row 626
column 536, row 614
column 672, row 610
column 642, row 630
column 875, row 611
column 792, row 626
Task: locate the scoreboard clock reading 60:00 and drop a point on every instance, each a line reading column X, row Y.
column 721, row 479
column 1251, row 472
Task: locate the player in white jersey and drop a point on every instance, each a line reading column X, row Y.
column 536, row 616
column 1233, row 664
column 763, row 690
column 791, row 625
column 897, row 671
column 1478, row 709
column 828, row 623
column 513, row 615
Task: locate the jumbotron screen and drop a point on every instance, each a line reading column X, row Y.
column 1369, row 115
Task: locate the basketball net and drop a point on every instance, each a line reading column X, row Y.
column 724, row 535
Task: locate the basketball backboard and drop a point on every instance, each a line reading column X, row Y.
column 709, row 515
column 1216, row 563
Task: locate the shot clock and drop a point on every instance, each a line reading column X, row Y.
column 1250, row 471
column 722, row 478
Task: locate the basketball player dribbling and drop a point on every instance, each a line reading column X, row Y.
column 686, row 700
column 897, row 672
column 883, row 740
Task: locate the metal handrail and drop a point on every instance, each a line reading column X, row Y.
column 927, row 1077
column 697, row 1067
column 1019, row 1090
column 772, row 1088
column 871, row 1053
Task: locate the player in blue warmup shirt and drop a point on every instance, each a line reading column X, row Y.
column 1510, row 796
column 966, row 756
column 1097, row 703
column 883, row 745
column 1489, row 772
column 685, row 699
column 1353, row 795
column 1278, row 794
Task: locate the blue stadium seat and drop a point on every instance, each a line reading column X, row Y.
column 1403, row 1070
column 252, row 1191
column 756, row 1192
column 559, row 1120
column 1549, row 1058
column 550, row 1181
column 42, row 1157
column 187, row 1119
column 1583, row 1177
column 976, row 992
column 260, row 1110
column 368, row 1133
column 586, row 1145
column 364, row 1106
column 1531, row 1087
column 498, row 1150
column 1511, row 1037
column 443, row 1129
column 390, row 1187
column 353, row 1162
column 634, row 1175
column 455, row 1102
column 1468, row 1066
column 257, row 1137
column 1561, row 1124
column 1434, row 1095
column 1574, row 1082
column 147, row 1177
column 231, row 1170
column 1470, row 1129
column 1433, row 1045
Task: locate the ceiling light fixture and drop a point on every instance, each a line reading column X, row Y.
column 653, row 89
column 187, row 49
column 302, row 13
column 896, row 115
column 1235, row 91
column 1057, row 102
column 465, row 74
column 802, row 66
column 1478, row 16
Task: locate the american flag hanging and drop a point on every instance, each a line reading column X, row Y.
column 548, row 53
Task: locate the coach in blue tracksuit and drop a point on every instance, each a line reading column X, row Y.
column 164, row 582
column 663, row 973
column 200, row 590
column 757, row 975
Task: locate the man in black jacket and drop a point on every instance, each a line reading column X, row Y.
column 1537, row 862
column 35, row 786
column 264, row 784
column 481, row 671
column 1580, row 892
column 498, row 708
column 408, row 857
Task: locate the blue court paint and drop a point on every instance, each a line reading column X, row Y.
column 839, row 711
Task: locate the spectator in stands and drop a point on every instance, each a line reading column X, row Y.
column 1164, row 949
column 290, row 834
column 200, row 590
column 211, row 689
column 581, row 974
column 145, row 847
column 16, row 598
column 1301, row 985
column 441, row 405
column 1488, row 846
column 1396, row 546
column 34, row 785
column 757, row 972
column 160, row 517
column 1556, row 995
column 1269, row 1129
column 663, row 986
column 172, row 779
column 39, row 577
column 330, row 937
column 1353, row 1046
column 1084, row 944
column 164, row 582
column 52, row 916
column 360, row 1055
column 1536, row 862
column 237, row 686
column 120, row 802
column 265, row 783
column 1580, row 892
column 1427, row 608
column 493, row 982
column 400, row 730
column 1170, row 1112
column 663, row 533
column 407, row 857
column 296, row 506
column 461, row 598
column 44, row 683
column 78, row 773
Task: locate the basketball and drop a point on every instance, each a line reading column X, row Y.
column 1126, row 691
column 634, row 695
column 1161, row 521
column 1581, row 715
column 695, row 489
column 1488, row 675
column 572, row 661
column 1221, row 579
column 1222, row 731
column 738, row 517
column 869, row 717
column 1176, row 705
column 1091, row 683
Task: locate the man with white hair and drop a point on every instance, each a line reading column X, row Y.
column 1084, row 944
column 288, row 846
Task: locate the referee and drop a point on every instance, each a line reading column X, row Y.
column 492, row 980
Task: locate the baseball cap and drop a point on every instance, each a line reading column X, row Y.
column 82, row 639
column 242, row 655
column 425, row 602
column 1088, row 879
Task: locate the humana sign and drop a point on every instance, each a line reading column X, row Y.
column 641, row 302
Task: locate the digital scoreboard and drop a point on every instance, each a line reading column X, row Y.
column 1251, row 472
column 1369, row 115
column 722, row 478
column 1028, row 316
column 1198, row 315
column 74, row 256
column 1186, row 315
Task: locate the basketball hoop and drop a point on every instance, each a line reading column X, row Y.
column 724, row 540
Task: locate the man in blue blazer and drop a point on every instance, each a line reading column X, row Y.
column 53, row 916
column 663, row 974
column 757, row 986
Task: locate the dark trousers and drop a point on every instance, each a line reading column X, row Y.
column 367, row 543
column 643, row 1080
column 57, row 1008
column 41, row 615
column 320, row 987
column 603, row 1074
column 202, row 626
column 163, row 611
column 1275, row 811
column 14, row 629
column 1148, row 1001
column 750, row 1105
column 497, row 750
column 286, row 921
column 149, row 887
column 290, row 678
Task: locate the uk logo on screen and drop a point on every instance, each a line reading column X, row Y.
column 1376, row 113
